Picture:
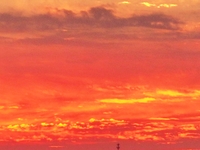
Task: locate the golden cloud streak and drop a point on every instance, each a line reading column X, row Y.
column 127, row 101
column 169, row 93
column 194, row 94
column 163, row 119
column 158, row 6
column 124, row 2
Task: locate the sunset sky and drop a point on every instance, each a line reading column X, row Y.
column 90, row 74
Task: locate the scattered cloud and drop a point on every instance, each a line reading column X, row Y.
column 167, row 5
column 147, row 4
column 155, row 129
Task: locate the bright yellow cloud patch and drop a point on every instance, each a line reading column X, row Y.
column 128, row 101
column 124, row 2
column 158, row 5
column 193, row 94
column 62, row 125
column 148, row 4
column 167, row 5
column 14, row 107
column 14, row 127
column 169, row 93
column 24, row 125
column 163, row 119
column 44, row 124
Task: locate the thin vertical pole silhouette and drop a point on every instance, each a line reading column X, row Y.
column 118, row 146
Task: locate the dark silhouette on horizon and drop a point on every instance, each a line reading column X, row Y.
column 118, row 146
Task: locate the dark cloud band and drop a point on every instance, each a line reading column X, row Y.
column 99, row 17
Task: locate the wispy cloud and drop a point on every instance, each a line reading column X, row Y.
column 124, row 3
column 128, row 101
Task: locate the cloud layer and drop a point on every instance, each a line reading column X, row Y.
column 95, row 17
column 95, row 76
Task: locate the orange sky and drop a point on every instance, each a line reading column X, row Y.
column 87, row 75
